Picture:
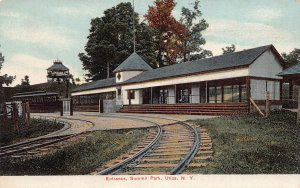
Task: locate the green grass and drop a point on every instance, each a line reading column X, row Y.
column 250, row 144
column 78, row 158
column 38, row 127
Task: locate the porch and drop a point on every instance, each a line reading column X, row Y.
column 215, row 97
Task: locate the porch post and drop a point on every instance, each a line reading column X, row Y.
column 222, row 93
column 291, row 84
column 280, row 90
column 151, row 95
column 175, row 94
column 248, row 92
column 206, row 92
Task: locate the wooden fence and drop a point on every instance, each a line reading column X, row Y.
column 14, row 117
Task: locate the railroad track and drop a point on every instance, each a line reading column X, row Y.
column 42, row 145
column 168, row 149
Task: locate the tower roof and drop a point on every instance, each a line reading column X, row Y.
column 57, row 65
column 133, row 63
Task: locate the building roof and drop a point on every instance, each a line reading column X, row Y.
column 96, row 85
column 133, row 63
column 57, row 66
column 227, row 61
column 34, row 94
column 291, row 71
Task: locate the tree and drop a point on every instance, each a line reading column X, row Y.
column 25, row 81
column 168, row 32
column 4, row 79
column 292, row 58
column 191, row 46
column 110, row 41
column 229, row 49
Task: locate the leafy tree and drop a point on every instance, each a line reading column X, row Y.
column 168, row 32
column 25, row 81
column 191, row 19
column 4, row 79
column 110, row 41
column 292, row 58
column 229, row 49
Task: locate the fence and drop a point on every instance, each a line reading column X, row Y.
column 14, row 117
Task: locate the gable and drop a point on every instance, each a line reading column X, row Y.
column 266, row 65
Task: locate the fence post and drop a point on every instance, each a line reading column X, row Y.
column 28, row 114
column 268, row 104
column 298, row 112
column 15, row 117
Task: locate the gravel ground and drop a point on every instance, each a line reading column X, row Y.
column 115, row 120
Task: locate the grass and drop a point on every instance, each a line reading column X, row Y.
column 38, row 127
column 78, row 158
column 250, row 144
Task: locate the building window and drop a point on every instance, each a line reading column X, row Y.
column 119, row 76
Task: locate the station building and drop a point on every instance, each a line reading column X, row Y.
column 217, row 85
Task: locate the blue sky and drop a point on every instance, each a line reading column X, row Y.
column 33, row 33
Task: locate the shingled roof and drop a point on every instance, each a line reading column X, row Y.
column 57, row 65
column 291, row 71
column 96, row 85
column 133, row 63
column 227, row 61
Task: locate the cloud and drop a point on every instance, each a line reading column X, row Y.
column 245, row 32
column 216, row 47
column 77, row 11
column 10, row 14
column 265, row 13
column 23, row 64
column 42, row 35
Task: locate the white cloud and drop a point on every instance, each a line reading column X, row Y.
column 252, row 34
column 10, row 14
column 46, row 36
column 24, row 64
column 265, row 13
column 216, row 47
column 77, row 11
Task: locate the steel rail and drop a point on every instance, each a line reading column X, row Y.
column 116, row 167
column 178, row 168
column 36, row 140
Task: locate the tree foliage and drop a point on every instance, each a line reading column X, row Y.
column 229, row 49
column 25, row 81
column 191, row 19
column 4, row 79
column 110, row 41
column 168, row 32
column 292, row 58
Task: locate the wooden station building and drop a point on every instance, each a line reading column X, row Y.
column 218, row 85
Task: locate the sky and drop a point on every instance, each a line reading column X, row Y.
column 34, row 33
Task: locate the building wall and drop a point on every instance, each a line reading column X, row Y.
column 126, row 75
column 171, row 94
column 267, row 65
column 190, row 79
column 259, row 89
column 138, row 98
column 195, row 94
